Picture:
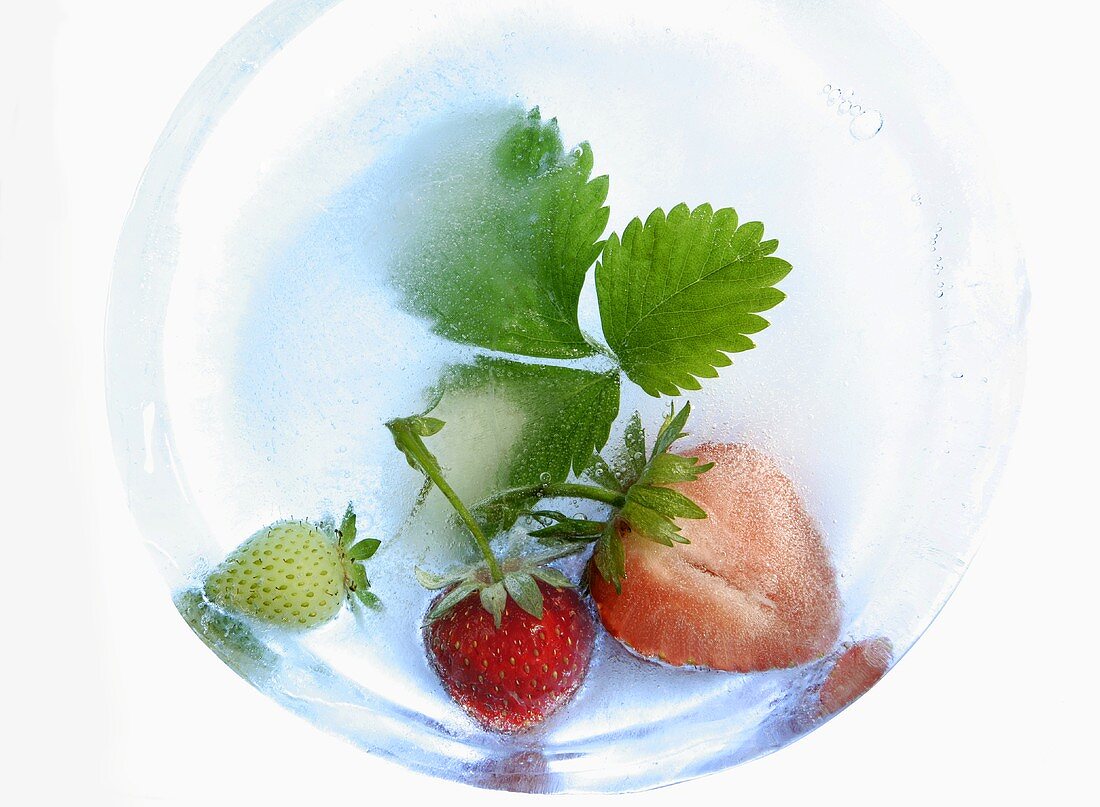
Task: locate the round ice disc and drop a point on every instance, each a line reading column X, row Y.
column 265, row 324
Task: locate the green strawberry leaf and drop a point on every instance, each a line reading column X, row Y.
column 561, row 416
column 679, row 293
column 513, row 226
column 525, row 591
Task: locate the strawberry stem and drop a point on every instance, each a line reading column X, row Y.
column 408, row 433
column 472, row 525
column 573, row 490
column 557, row 490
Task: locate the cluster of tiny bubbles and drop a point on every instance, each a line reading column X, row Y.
column 937, row 268
column 544, row 477
column 865, row 123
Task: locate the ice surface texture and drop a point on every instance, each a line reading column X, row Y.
column 255, row 345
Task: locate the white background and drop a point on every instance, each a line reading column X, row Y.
column 108, row 699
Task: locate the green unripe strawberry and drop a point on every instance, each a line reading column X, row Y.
column 292, row 574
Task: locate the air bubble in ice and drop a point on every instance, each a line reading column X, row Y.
column 866, row 125
column 544, row 477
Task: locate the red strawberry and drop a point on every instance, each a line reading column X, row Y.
column 754, row 590
column 512, row 677
column 857, row 670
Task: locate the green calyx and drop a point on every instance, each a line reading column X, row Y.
column 518, row 581
column 352, row 555
column 651, row 508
